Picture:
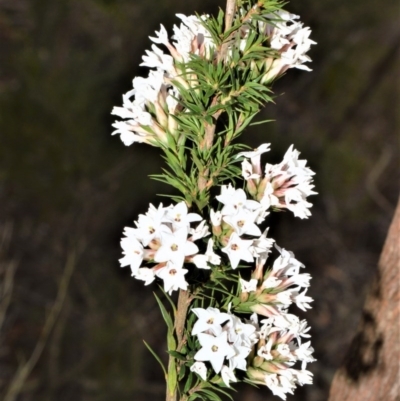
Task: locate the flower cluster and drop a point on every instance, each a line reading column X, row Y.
column 211, row 67
column 149, row 109
column 223, row 338
column 280, row 287
column 278, row 349
column 164, row 236
column 149, row 117
column 267, row 353
column 290, row 39
column 284, row 186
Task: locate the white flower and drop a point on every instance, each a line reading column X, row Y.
column 302, row 300
column 133, row 251
column 174, row 247
column 161, row 36
column 191, row 37
column 145, row 274
column 279, row 385
column 179, row 216
column 200, row 231
column 248, row 286
column 286, row 264
column 265, row 350
column 238, row 249
column 200, row 369
column 209, row 320
column 227, row 375
column 147, row 89
column 234, row 200
column 283, row 349
column 270, row 282
column 262, row 247
column 150, row 225
column 158, row 59
column 201, row 261
column 216, row 218
column 247, row 171
column 238, row 360
column 303, row 376
column 288, row 184
column 214, row 349
column 173, row 277
column 243, row 222
column 304, row 354
column 239, row 333
column 255, row 157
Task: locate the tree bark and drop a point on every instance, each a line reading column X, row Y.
column 370, row 371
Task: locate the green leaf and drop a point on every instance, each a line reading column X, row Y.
column 166, row 316
column 157, row 358
column 177, row 355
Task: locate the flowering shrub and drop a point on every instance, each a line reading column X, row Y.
column 231, row 321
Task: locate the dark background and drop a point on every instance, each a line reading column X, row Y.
column 67, row 188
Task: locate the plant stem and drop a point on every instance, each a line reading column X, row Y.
column 184, row 301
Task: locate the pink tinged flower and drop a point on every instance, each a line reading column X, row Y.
column 179, row 216
column 247, row 171
column 265, row 310
column 243, row 222
column 200, row 369
column 248, row 286
column 255, row 157
column 270, row 282
column 227, row 375
column 175, row 247
column 145, row 274
column 214, row 350
column 238, row 249
column 266, row 328
column 173, row 277
column 202, row 261
column 209, row 320
column 265, row 351
column 133, row 253
column 284, row 297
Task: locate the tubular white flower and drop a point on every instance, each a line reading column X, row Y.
column 214, row 350
column 174, row 247
column 133, row 251
column 227, row 375
column 200, row 369
column 209, row 320
column 202, row 261
column 173, row 277
column 248, row 286
column 238, row 249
